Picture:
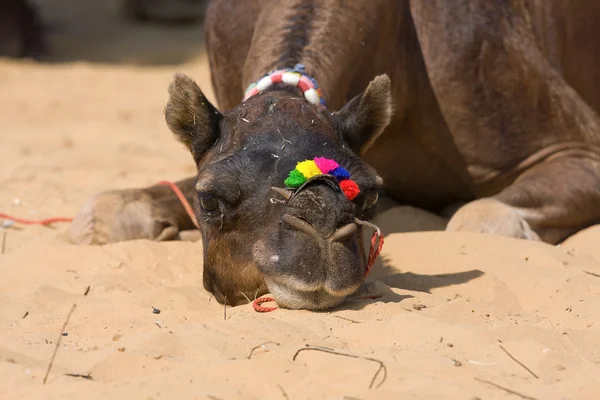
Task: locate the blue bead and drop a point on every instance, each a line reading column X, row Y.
column 340, row 173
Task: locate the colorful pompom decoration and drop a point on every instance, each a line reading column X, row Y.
column 318, row 166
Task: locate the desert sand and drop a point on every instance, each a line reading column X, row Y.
column 462, row 316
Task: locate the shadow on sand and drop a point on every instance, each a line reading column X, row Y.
column 395, row 218
column 407, row 281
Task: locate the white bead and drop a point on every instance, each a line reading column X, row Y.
column 312, row 96
column 264, row 83
column 290, row 78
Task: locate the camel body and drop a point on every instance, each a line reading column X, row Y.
column 494, row 109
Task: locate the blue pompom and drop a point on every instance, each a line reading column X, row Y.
column 340, row 173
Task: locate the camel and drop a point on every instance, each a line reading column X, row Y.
column 485, row 107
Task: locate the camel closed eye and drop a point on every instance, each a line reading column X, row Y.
column 210, row 205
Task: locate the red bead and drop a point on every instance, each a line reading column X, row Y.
column 277, row 77
column 303, row 85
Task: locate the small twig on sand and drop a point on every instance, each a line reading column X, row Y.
column 4, row 241
column 210, row 396
column 347, row 319
column 88, row 376
column 519, row 362
column 507, row 390
column 87, row 290
column 315, row 346
column 244, row 294
column 283, row 391
column 381, row 365
column 25, row 315
column 58, row 342
column 587, row 272
column 252, row 350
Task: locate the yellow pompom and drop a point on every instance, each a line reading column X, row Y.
column 308, row 168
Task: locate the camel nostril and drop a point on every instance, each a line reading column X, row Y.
column 338, row 235
column 299, row 224
column 322, row 208
column 286, row 194
column 343, row 233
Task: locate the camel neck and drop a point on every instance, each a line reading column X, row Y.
column 316, row 34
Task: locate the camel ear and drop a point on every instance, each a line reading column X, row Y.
column 191, row 117
column 365, row 117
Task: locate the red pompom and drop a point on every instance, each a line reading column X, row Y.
column 350, row 188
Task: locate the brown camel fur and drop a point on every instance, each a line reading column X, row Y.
column 494, row 107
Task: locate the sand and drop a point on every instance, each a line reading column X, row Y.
column 455, row 307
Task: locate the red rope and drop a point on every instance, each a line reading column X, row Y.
column 46, row 221
column 376, row 246
column 183, row 200
column 256, row 304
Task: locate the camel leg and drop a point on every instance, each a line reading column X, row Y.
column 549, row 202
column 153, row 213
column 529, row 139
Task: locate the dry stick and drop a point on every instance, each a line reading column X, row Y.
column 283, row 391
column 507, row 390
column 347, row 319
column 587, row 272
column 381, row 365
column 58, row 342
column 3, row 241
column 88, row 376
column 316, row 346
column 519, row 362
column 258, row 347
column 243, row 294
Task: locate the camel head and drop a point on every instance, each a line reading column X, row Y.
column 261, row 232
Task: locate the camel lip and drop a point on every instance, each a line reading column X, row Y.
column 318, row 298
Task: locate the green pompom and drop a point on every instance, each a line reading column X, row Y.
column 295, row 179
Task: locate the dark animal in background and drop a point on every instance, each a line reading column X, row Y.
column 21, row 30
column 165, row 11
